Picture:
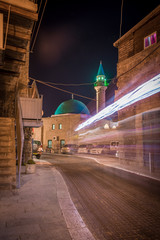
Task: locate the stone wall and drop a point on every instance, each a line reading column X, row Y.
column 69, row 123
column 7, row 154
column 137, row 137
column 13, row 79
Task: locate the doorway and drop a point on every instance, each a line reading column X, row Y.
column 62, row 142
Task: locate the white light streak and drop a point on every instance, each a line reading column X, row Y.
column 145, row 90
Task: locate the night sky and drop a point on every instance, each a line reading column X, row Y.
column 73, row 38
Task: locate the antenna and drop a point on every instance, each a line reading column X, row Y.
column 120, row 32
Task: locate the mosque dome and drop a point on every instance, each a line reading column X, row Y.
column 72, row 106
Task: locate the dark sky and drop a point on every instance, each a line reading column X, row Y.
column 73, row 37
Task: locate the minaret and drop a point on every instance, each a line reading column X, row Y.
column 100, row 86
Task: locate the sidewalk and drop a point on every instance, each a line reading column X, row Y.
column 41, row 209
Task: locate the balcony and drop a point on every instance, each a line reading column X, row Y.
column 31, row 111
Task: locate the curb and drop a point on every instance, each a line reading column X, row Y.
column 76, row 227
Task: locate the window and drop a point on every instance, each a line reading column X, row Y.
column 1, row 31
column 62, row 143
column 60, row 126
column 53, row 126
column 150, row 40
column 49, row 143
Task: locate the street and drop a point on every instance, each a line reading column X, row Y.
column 110, row 206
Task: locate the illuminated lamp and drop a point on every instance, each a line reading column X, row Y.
column 106, row 126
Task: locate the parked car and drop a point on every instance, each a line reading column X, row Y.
column 85, row 148
column 114, row 148
column 100, row 149
column 69, row 148
column 37, row 148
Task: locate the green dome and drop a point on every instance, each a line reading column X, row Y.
column 72, row 106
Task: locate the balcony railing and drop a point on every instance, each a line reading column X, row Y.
column 31, row 111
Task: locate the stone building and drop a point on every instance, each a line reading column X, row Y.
column 58, row 129
column 138, row 62
column 16, row 23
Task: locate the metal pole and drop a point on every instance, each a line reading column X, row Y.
column 9, row 10
column 150, row 162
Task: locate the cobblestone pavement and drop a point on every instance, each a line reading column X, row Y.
column 111, row 207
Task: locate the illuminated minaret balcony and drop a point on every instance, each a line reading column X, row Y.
column 100, row 86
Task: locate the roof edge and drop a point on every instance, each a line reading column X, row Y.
column 138, row 25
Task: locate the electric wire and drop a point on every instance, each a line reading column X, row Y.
column 35, row 23
column 75, row 94
column 116, row 77
column 38, row 26
column 71, row 84
column 140, row 61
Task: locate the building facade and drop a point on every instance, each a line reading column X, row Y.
column 138, row 62
column 58, row 129
column 16, row 24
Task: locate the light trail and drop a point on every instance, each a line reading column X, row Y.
column 145, row 90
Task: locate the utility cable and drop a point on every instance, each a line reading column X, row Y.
column 71, row 84
column 116, row 77
column 38, row 26
column 78, row 95
column 35, row 23
column 139, row 62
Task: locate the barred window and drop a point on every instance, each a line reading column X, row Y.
column 150, row 40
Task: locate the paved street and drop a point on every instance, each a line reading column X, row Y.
column 111, row 207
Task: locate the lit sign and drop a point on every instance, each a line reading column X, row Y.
column 145, row 90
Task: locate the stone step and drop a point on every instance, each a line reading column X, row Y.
column 7, row 153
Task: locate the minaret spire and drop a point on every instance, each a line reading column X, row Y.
column 100, row 86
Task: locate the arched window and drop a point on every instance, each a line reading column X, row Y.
column 60, row 126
